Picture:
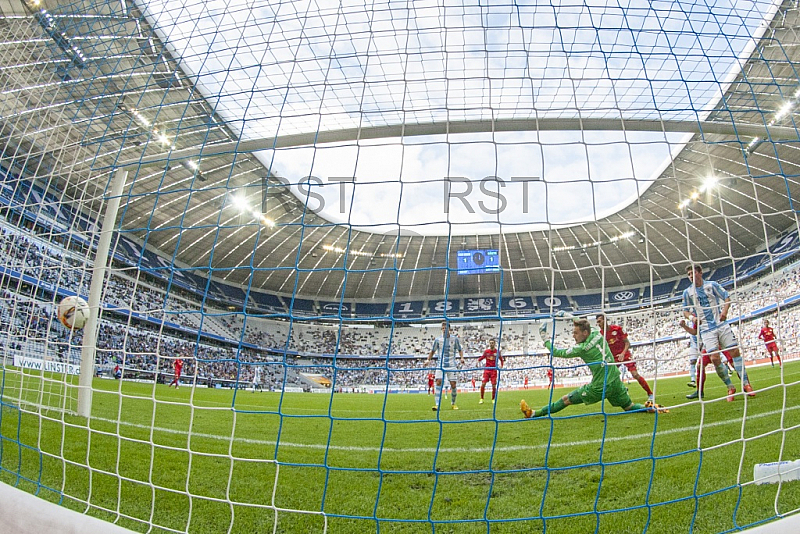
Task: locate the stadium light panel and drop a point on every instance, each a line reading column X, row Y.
column 141, row 119
column 709, row 184
column 784, row 111
column 240, row 203
column 162, row 138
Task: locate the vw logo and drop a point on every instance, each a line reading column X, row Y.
column 623, row 295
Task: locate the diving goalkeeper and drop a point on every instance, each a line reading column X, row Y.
column 592, row 348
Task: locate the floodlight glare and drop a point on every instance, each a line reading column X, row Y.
column 709, row 184
column 240, row 203
column 785, row 110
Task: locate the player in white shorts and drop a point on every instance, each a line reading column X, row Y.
column 446, row 347
column 706, row 303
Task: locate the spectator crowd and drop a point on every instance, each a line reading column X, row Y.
column 144, row 328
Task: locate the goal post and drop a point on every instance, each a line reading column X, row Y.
column 99, row 271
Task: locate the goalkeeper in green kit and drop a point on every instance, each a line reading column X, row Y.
column 592, row 348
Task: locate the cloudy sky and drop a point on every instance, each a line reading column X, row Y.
column 304, row 67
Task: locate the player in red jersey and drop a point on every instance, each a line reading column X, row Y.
column 550, row 377
column 431, row 378
column 178, row 364
column 525, row 382
column 706, row 360
column 621, row 349
column 492, row 356
column 768, row 335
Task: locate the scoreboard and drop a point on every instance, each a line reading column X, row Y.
column 478, row 261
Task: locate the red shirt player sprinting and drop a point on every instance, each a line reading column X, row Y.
column 178, row 368
column 491, row 357
column 768, row 335
column 621, row 349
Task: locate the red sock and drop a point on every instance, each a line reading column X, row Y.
column 643, row 383
column 703, row 380
column 483, row 388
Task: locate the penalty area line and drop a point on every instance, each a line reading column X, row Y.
column 509, row 448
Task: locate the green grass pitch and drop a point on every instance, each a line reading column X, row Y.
column 204, row 460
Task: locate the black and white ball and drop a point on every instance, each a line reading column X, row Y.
column 73, row 312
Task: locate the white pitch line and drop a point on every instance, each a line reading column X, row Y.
column 509, row 448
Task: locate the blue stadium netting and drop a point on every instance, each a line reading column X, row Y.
column 271, row 209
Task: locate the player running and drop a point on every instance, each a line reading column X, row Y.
column 620, row 347
column 178, row 366
column 445, row 347
column 491, row 356
column 591, row 347
column 768, row 335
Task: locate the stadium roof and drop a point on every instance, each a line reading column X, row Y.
column 105, row 85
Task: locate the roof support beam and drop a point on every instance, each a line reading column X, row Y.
column 702, row 128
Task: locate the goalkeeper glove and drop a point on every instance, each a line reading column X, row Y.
column 544, row 333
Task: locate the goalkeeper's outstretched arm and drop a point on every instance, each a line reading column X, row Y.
column 547, row 339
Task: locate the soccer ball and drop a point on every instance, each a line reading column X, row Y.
column 73, row 312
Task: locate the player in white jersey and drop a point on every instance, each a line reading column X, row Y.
column 257, row 378
column 706, row 303
column 698, row 361
column 445, row 347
